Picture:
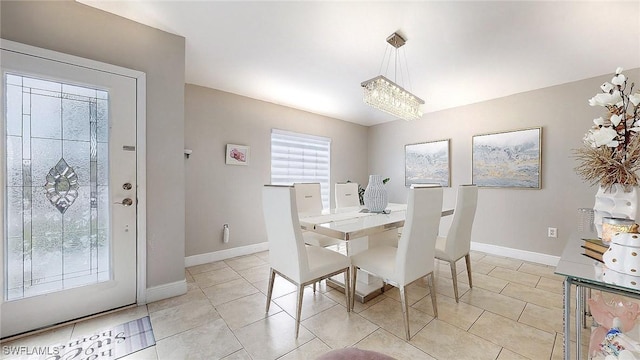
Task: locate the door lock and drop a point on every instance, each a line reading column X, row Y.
column 126, row 186
column 125, row 202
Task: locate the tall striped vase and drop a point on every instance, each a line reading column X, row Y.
column 375, row 195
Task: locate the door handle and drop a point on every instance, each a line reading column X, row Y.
column 125, row 202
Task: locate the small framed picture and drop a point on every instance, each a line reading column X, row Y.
column 237, row 154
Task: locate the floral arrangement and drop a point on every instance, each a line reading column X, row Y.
column 611, row 151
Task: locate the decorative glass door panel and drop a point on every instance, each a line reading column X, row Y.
column 69, row 160
column 56, row 162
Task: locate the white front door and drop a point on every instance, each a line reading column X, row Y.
column 69, row 192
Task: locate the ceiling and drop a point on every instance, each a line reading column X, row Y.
column 313, row 55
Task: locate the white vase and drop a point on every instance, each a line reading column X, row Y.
column 623, row 257
column 615, row 202
column 623, row 254
column 375, row 195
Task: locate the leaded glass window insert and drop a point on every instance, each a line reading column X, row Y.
column 56, row 184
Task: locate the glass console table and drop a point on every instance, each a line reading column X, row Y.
column 585, row 273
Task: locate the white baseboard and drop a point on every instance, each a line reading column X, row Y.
column 225, row 254
column 516, row 254
column 486, row 248
column 166, row 291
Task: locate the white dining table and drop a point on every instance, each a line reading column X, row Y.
column 361, row 230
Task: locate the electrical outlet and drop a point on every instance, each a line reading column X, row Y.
column 552, row 232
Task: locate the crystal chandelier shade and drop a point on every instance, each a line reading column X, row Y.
column 384, row 94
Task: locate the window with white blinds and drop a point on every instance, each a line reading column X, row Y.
column 301, row 158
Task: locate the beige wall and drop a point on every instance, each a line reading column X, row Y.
column 205, row 120
column 76, row 29
column 507, row 217
column 219, row 193
column 512, row 218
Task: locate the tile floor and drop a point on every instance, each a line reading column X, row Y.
column 514, row 311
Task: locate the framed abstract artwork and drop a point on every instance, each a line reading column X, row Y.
column 237, row 154
column 427, row 163
column 510, row 159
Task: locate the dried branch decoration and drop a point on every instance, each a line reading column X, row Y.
column 611, row 151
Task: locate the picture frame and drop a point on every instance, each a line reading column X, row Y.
column 509, row 159
column 237, row 155
column 427, row 163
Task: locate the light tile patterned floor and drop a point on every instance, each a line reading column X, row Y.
column 514, row 311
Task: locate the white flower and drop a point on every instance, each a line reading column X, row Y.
column 606, row 87
column 605, row 99
column 599, row 121
column 615, row 120
column 620, row 126
column 619, row 79
column 602, row 136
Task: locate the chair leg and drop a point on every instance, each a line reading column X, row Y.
column 354, row 275
column 314, row 288
column 467, row 258
column 405, row 312
column 299, row 308
column 432, row 289
column 454, row 277
column 272, row 277
column 347, row 288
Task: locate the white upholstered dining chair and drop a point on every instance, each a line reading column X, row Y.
column 309, row 203
column 308, row 198
column 289, row 256
column 414, row 256
column 347, row 195
column 457, row 243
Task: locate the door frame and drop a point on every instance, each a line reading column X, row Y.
column 141, row 167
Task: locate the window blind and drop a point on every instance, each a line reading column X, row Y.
column 301, row 158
